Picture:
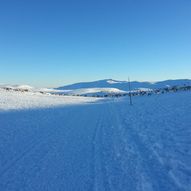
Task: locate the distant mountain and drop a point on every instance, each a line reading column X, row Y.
column 123, row 85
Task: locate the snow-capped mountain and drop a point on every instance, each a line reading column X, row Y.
column 123, row 85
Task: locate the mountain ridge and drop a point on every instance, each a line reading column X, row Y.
column 123, row 85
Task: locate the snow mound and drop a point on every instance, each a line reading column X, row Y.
column 94, row 91
column 24, row 87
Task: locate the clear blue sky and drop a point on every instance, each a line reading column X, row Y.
column 56, row 42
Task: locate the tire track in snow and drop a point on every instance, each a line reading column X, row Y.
column 19, row 157
column 100, row 179
column 122, row 163
column 109, row 172
column 158, row 175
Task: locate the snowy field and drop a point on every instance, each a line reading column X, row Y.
column 18, row 100
column 52, row 143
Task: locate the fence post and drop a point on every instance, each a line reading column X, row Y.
column 130, row 96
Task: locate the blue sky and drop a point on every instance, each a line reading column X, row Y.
column 55, row 42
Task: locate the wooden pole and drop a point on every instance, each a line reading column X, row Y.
column 130, row 96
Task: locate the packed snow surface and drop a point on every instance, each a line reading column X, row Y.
column 102, row 146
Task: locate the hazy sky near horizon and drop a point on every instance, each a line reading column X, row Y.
column 56, row 42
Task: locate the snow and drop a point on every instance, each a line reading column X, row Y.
column 19, row 100
column 24, row 87
column 110, row 81
column 17, row 87
column 93, row 91
column 144, row 89
column 69, row 143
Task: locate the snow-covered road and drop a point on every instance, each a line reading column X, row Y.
column 108, row 146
